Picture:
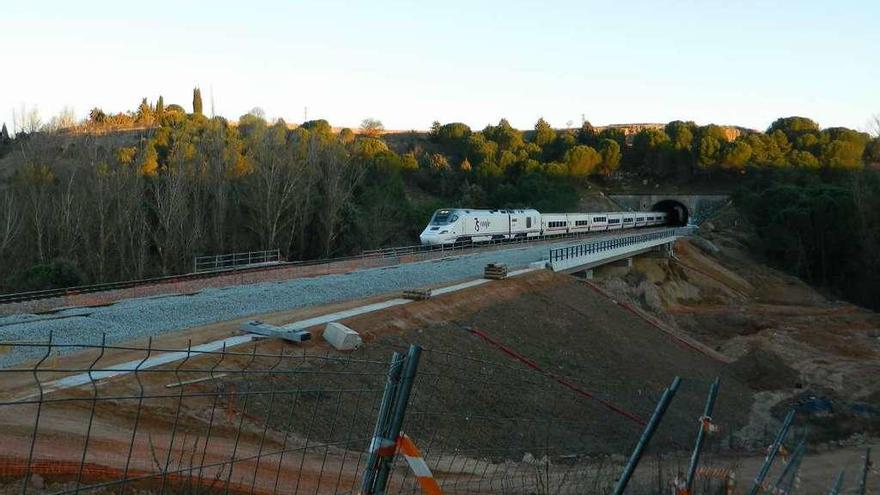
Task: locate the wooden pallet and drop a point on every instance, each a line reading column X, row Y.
column 417, row 294
column 495, row 271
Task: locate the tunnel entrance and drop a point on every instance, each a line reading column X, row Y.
column 677, row 211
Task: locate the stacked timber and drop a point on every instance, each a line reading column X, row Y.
column 417, row 294
column 495, row 271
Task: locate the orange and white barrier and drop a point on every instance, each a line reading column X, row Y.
column 708, row 426
column 418, row 465
column 384, row 447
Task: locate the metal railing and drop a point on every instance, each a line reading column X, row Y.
column 586, row 249
column 233, row 261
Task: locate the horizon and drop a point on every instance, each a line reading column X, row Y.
column 743, row 64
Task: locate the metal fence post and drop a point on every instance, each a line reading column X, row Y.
column 379, row 433
column 701, row 435
column 650, row 428
column 838, row 484
column 401, row 401
column 786, row 480
column 774, row 449
column 863, row 486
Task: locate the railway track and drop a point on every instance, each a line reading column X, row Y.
column 391, row 252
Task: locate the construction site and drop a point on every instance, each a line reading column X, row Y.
column 671, row 361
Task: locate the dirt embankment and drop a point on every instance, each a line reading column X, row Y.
column 791, row 344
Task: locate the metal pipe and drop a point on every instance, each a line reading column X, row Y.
column 650, row 428
column 774, row 449
column 401, row 402
column 385, row 405
column 701, row 434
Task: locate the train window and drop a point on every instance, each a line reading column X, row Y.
column 599, row 219
column 453, row 219
column 627, row 220
column 613, row 220
column 640, row 219
column 528, row 222
column 441, row 217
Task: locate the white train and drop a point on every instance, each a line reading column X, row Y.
column 451, row 225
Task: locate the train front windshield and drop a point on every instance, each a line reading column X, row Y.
column 443, row 217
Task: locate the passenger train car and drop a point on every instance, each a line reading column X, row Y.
column 451, row 225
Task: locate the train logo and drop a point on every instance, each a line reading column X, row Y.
column 478, row 224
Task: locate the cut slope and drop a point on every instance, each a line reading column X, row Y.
column 572, row 331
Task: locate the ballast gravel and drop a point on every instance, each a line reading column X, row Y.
column 136, row 318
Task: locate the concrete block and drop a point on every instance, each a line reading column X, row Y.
column 267, row 330
column 341, row 337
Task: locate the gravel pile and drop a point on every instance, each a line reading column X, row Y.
column 142, row 317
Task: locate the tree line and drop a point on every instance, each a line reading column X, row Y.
column 822, row 228
column 80, row 205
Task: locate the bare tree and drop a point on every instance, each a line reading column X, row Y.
column 27, row 120
column 175, row 230
column 273, row 189
column 66, row 119
column 372, row 127
column 10, row 219
column 339, row 175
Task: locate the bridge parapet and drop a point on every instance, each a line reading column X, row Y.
column 592, row 254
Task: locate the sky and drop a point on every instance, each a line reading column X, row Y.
column 410, row 63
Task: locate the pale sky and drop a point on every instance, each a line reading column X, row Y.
column 409, row 63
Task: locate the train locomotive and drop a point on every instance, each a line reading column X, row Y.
column 460, row 225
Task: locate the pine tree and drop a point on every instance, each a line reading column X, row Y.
column 197, row 101
column 160, row 107
column 145, row 113
column 4, row 134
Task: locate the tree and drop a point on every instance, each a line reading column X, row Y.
column 504, row 135
column 372, row 127
column 708, row 151
column 842, row 154
column 452, row 133
column 544, row 134
column 793, row 127
column 610, row 152
column 586, row 134
column 681, row 134
column 97, row 116
column 582, row 161
column 197, row 101
column 735, row 155
column 160, row 107
column 803, row 159
column 145, row 115
column 367, row 148
column 10, row 218
column 4, row 135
